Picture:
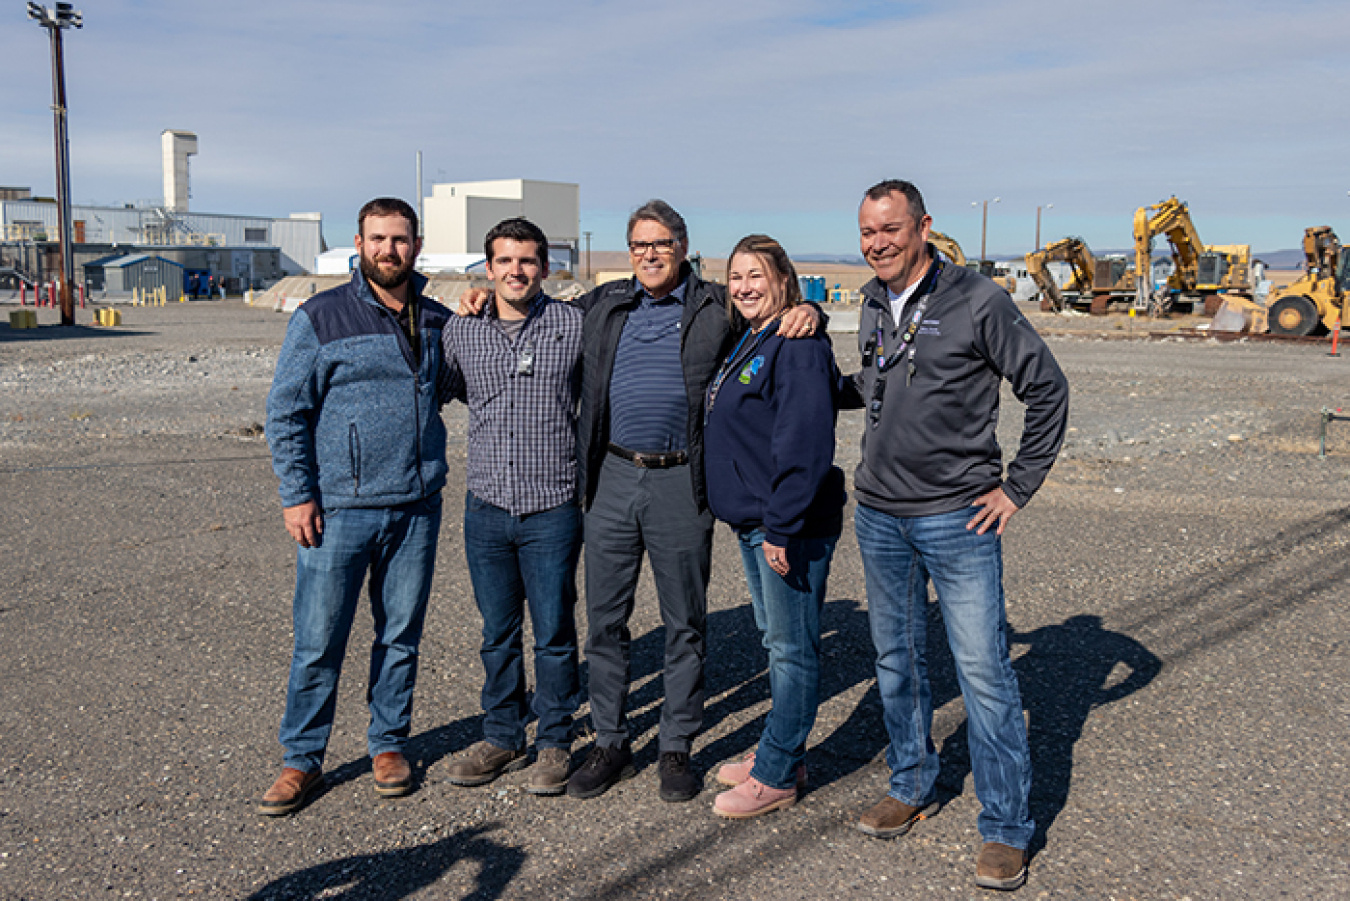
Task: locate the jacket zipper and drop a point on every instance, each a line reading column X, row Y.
column 354, row 448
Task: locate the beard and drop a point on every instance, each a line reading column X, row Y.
column 384, row 278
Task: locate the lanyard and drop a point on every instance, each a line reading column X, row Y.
column 733, row 360
column 911, row 329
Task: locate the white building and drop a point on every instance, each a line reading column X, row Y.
column 458, row 216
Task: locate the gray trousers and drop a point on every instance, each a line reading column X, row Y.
column 650, row 510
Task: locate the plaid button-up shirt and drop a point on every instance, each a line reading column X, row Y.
column 522, row 396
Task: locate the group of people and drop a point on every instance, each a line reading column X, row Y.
column 624, row 424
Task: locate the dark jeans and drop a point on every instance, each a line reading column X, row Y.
column 787, row 611
column 514, row 560
column 651, row 510
column 397, row 546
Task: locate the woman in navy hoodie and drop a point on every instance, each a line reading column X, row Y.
column 771, row 476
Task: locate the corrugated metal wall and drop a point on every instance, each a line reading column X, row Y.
column 298, row 239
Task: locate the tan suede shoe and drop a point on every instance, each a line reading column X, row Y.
column 889, row 818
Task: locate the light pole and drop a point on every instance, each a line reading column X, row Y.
column 984, row 225
column 55, row 21
column 589, row 273
column 1048, row 206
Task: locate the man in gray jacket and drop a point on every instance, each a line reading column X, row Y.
column 932, row 502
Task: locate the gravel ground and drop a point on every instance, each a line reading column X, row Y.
column 1177, row 592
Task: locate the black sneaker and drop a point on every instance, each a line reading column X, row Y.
column 679, row 782
column 604, row 768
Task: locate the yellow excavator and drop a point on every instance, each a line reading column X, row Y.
column 1200, row 272
column 1096, row 281
column 1317, row 300
column 947, row 247
column 1073, row 251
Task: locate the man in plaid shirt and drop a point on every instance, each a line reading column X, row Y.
column 516, row 364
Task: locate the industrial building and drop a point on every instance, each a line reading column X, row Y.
column 245, row 251
column 458, row 216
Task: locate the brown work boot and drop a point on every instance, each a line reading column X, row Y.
column 482, row 762
column 548, row 775
column 290, row 792
column 393, row 775
column 1001, row 867
column 890, row 818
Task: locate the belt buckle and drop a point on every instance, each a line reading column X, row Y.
column 640, row 460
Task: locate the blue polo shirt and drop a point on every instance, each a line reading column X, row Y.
column 648, row 401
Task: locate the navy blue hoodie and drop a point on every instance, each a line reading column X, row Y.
column 769, row 438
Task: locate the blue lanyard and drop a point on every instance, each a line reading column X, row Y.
column 732, row 361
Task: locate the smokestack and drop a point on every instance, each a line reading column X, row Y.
column 178, row 146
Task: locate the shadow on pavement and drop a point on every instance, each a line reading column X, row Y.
column 737, row 678
column 1067, row 672
column 62, row 332
column 423, row 750
column 400, row 873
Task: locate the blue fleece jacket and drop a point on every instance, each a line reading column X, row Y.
column 770, row 438
column 352, row 417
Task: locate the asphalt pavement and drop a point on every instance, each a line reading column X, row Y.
column 1177, row 593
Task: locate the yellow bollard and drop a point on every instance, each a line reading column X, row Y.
column 135, row 298
column 22, row 319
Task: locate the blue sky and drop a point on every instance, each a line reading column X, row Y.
column 747, row 116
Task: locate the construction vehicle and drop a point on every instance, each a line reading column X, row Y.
column 1073, row 251
column 1096, row 281
column 947, row 247
column 1316, row 301
column 1200, row 273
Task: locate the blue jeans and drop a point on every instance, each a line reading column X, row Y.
column 787, row 611
column 512, row 560
column 900, row 554
column 397, row 546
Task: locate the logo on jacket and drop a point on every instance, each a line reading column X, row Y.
column 930, row 327
column 750, row 370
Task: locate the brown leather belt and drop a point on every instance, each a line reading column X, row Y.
column 650, row 461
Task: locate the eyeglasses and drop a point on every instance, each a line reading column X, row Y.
column 662, row 246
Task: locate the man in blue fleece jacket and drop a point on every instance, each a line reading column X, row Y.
column 358, row 444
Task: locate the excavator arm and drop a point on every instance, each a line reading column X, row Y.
column 1172, row 219
column 1073, row 251
column 947, row 247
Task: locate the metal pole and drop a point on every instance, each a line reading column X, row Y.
column 984, row 231
column 421, row 224
column 1037, row 245
column 590, row 274
column 62, row 178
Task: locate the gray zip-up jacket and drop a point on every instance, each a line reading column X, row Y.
column 934, row 448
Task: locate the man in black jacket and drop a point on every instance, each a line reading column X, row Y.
column 652, row 344
column 932, row 502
